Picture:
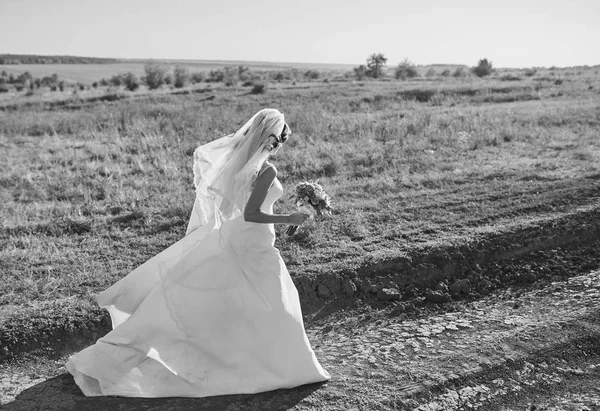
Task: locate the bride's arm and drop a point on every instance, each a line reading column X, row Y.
column 253, row 213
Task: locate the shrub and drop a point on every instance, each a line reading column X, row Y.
column 230, row 77
column 311, row 74
column 431, row 73
column 405, row 70
column 510, row 77
column 445, row 73
column 243, row 73
column 215, row 76
column 530, row 72
column 104, row 82
column 360, row 72
column 4, row 88
column 168, row 79
column 116, row 80
column 459, row 72
column 61, row 86
column 155, row 75
column 198, row 77
column 131, row 81
column 483, row 68
column 95, row 84
column 181, row 76
column 258, row 89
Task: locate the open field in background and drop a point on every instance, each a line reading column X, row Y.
column 89, row 73
column 91, row 188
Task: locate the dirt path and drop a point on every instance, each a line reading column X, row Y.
column 504, row 351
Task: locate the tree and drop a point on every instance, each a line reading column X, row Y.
column 155, row 75
column 405, row 70
column 484, row 68
column 376, row 65
column 180, row 76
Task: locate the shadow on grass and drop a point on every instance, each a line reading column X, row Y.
column 61, row 393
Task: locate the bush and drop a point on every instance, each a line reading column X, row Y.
column 258, row 89
column 155, row 75
column 198, row 77
column 181, row 76
column 360, row 72
column 243, row 73
column 459, row 72
column 530, row 72
column 215, row 76
column 431, row 73
column 131, row 81
column 483, row 68
column 405, row 70
column 445, row 73
column 116, row 80
column 4, row 88
column 230, row 77
column 311, row 74
column 510, row 77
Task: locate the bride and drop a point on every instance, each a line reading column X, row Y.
column 217, row 312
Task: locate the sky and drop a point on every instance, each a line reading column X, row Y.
column 510, row 33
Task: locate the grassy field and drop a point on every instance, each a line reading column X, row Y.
column 91, row 188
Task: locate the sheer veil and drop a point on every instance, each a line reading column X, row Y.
column 224, row 169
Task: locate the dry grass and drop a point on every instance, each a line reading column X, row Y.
column 91, row 189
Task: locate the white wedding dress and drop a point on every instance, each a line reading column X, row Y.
column 205, row 317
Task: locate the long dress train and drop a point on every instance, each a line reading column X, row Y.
column 216, row 313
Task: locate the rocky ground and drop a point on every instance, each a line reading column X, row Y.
column 530, row 343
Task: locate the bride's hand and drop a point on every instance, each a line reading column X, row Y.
column 298, row 218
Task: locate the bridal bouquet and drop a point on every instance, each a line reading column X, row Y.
column 310, row 198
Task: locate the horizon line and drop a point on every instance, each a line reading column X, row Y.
column 276, row 63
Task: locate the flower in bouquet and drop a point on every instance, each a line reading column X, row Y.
column 310, row 197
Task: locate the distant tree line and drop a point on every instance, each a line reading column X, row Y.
column 26, row 80
column 157, row 75
column 34, row 59
column 376, row 68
